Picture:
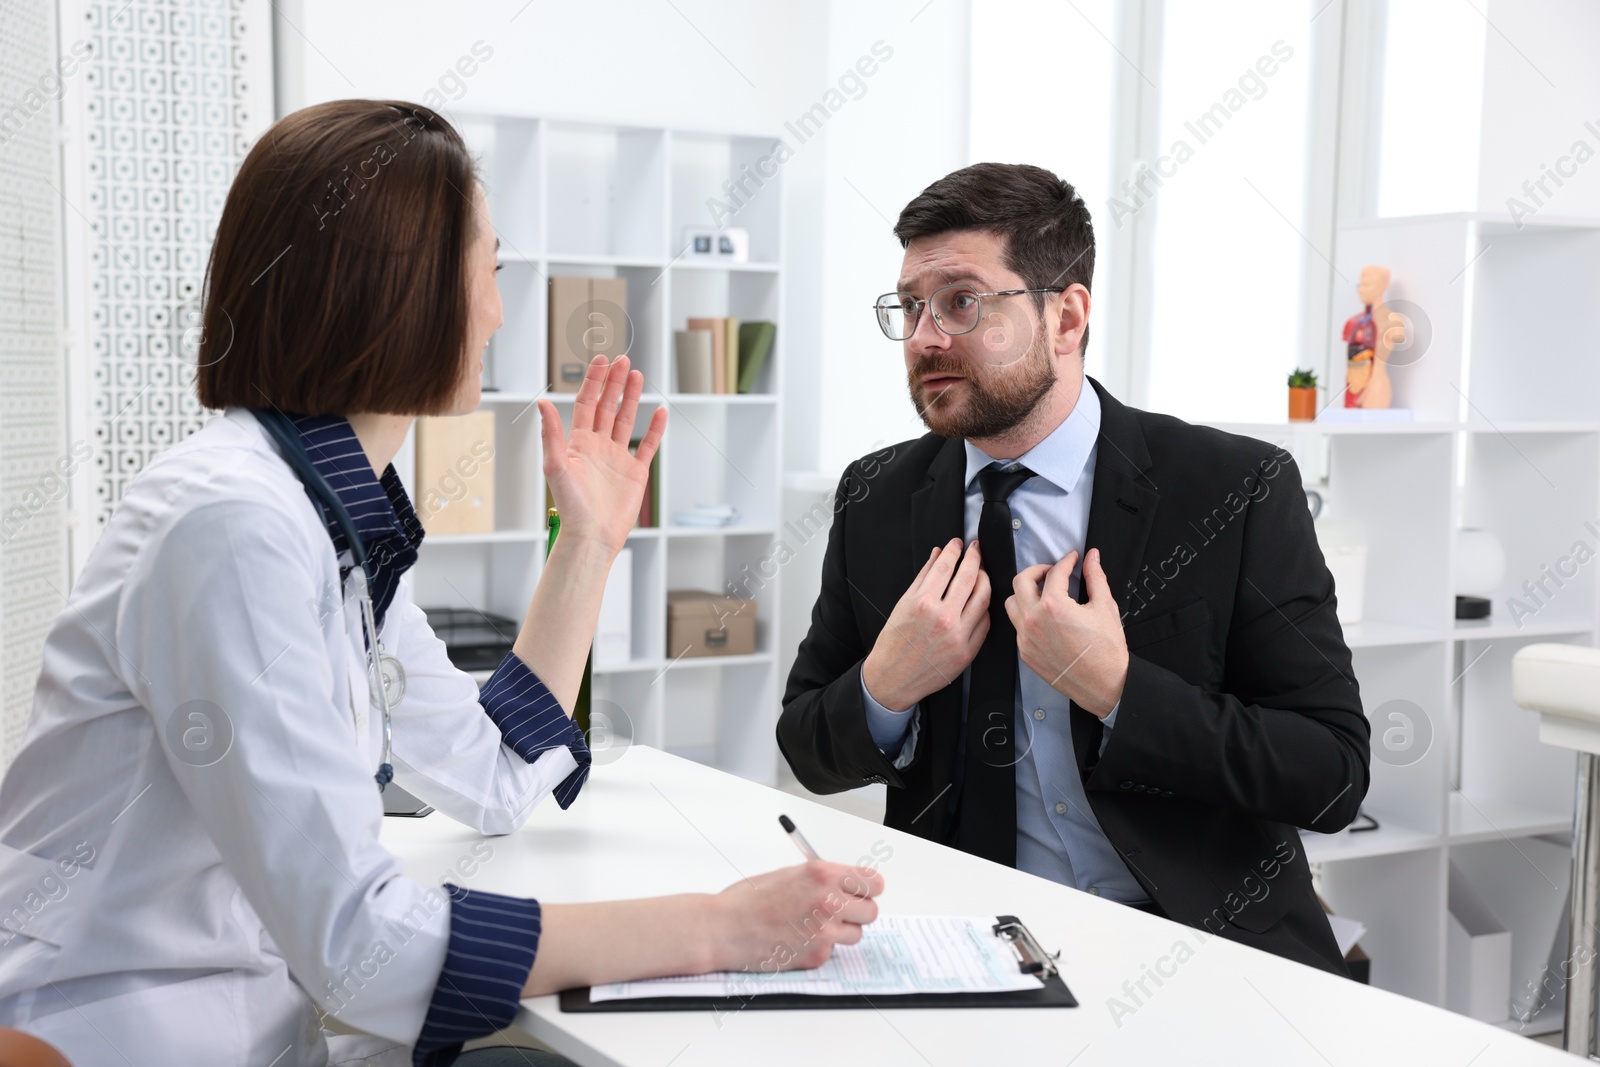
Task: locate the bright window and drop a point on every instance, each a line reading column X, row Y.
column 1228, row 253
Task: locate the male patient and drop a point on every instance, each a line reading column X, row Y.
column 1083, row 640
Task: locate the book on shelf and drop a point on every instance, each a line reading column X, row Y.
column 755, row 345
column 731, row 383
column 719, row 349
column 738, row 351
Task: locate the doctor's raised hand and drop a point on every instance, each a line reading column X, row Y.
column 598, row 485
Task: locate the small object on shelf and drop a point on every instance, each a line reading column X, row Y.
column 694, row 354
column 455, row 473
column 613, row 633
column 588, row 318
column 730, row 244
column 474, row 640
column 1344, row 546
column 701, row 623
column 1472, row 607
column 1370, row 337
column 1303, row 396
column 699, row 242
column 707, row 515
column 755, row 345
column 733, row 243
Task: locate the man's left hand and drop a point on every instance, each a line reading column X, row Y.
column 1078, row 648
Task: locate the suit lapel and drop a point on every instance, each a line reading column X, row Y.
column 1122, row 510
column 938, row 513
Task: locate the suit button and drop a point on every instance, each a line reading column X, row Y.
column 1168, row 793
column 1127, row 785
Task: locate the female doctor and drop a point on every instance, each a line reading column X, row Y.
column 190, row 868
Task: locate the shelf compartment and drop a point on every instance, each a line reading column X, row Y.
column 1474, row 819
column 610, row 183
column 1390, row 838
column 725, row 717
column 1401, row 899
column 1400, row 489
column 1517, row 783
column 1374, row 633
column 720, row 181
column 1492, row 629
column 1539, row 494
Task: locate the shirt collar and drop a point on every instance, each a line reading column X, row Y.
column 380, row 508
column 1060, row 458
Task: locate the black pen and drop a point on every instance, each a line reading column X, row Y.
column 797, row 837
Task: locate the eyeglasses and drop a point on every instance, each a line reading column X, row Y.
column 957, row 309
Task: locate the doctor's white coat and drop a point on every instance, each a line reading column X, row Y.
column 190, row 869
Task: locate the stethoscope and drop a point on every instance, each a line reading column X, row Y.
column 386, row 678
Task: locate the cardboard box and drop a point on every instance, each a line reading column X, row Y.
column 455, row 473
column 588, row 318
column 707, row 624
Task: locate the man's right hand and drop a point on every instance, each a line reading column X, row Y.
column 934, row 632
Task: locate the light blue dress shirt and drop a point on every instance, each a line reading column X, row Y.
column 1058, row 836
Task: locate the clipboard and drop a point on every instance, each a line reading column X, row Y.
column 1031, row 959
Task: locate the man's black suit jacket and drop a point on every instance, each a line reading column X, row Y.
column 1240, row 720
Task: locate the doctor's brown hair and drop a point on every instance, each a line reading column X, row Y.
column 337, row 282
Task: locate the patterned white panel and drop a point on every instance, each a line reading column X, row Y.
column 170, row 105
column 33, row 461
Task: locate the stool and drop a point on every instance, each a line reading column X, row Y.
column 1562, row 684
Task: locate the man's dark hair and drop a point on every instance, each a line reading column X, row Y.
column 338, row 277
column 1049, row 238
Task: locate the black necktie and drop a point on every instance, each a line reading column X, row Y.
column 988, row 808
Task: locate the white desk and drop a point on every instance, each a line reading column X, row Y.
column 652, row 823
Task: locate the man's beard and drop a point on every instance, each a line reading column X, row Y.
column 997, row 401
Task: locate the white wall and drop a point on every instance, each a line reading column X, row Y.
column 1541, row 86
column 909, row 129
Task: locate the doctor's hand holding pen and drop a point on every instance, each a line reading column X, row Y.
column 598, row 486
column 789, row 918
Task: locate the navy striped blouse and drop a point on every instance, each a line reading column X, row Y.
column 493, row 938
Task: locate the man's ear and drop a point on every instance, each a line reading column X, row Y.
column 1071, row 320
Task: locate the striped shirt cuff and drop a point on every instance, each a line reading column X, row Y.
column 493, row 940
column 532, row 723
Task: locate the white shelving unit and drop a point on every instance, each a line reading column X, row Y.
column 1507, row 438
column 581, row 199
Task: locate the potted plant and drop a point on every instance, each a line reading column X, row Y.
column 1303, row 396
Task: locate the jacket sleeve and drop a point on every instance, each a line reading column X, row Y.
column 485, row 759
column 823, row 730
column 1286, row 739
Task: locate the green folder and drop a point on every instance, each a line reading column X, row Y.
column 755, row 344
